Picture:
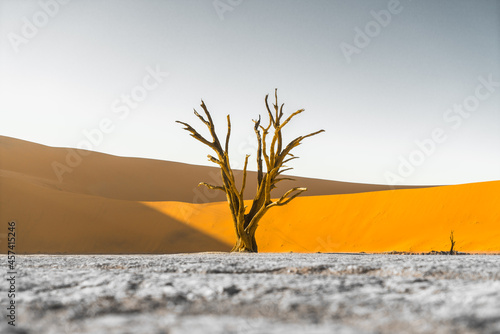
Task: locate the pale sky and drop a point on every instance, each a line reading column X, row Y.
column 378, row 76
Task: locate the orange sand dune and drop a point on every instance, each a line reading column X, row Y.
column 135, row 179
column 110, row 204
column 51, row 221
column 417, row 220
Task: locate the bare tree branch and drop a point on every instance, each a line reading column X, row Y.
column 284, row 200
column 211, row 126
column 290, row 118
column 260, row 173
column 195, row 134
column 244, row 183
column 228, row 134
column 201, row 118
column 214, row 160
column 264, row 149
column 284, row 170
column 271, row 118
column 283, row 179
column 296, row 142
column 289, row 159
column 209, row 186
column 275, row 157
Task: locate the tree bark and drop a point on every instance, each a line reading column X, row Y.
column 276, row 155
column 245, row 244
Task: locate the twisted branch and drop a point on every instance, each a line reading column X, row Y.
column 275, row 158
column 212, row 187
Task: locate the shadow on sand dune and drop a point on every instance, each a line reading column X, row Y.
column 57, row 222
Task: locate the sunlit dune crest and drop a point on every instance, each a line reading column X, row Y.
column 114, row 205
column 135, row 179
column 416, row 220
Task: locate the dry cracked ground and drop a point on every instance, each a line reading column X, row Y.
column 255, row 293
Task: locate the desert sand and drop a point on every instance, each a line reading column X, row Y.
column 416, row 220
column 118, row 205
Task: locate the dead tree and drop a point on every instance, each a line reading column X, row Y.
column 274, row 156
column 452, row 240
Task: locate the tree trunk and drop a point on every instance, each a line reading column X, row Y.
column 452, row 239
column 245, row 243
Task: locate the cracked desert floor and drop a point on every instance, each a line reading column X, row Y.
column 256, row 293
